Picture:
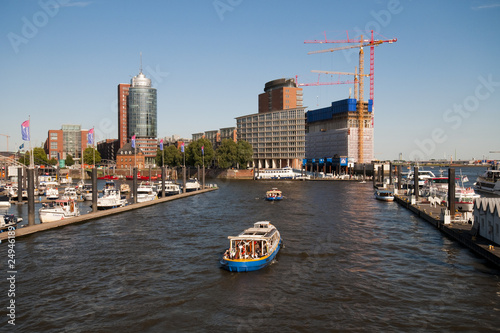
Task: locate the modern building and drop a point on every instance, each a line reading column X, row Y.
column 277, row 137
column 334, row 131
column 122, row 113
column 70, row 139
column 137, row 115
column 128, row 157
column 280, row 94
column 216, row 136
column 108, row 149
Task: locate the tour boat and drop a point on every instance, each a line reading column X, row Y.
column 274, row 195
column 58, row 210
column 283, row 173
column 8, row 220
column 192, row 185
column 384, row 195
column 253, row 249
column 111, row 197
column 146, row 192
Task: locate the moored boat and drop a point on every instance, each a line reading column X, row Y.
column 274, row 195
column 146, row 192
column 253, row 249
column 489, row 182
column 111, row 197
column 192, row 185
column 283, row 173
column 58, row 210
column 9, row 221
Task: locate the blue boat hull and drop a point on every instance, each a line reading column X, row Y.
column 274, row 199
column 250, row 265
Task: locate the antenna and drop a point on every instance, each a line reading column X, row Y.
column 141, row 63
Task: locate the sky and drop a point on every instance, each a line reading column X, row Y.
column 437, row 89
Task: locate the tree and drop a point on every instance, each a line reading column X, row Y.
column 193, row 152
column 88, row 156
column 69, row 160
column 52, row 161
column 226, row 154
column 244, row 154
column 39, row 157
column 171, row 155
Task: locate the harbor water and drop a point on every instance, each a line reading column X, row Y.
column 349, row 263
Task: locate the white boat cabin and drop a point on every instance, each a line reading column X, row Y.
column 258, row 241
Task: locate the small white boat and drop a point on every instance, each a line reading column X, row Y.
column 384, row 195
column 4, row 201
column 9, row 221
column 489, row 182
column 124, row 188
column 171, row 188
column 86, row 191
column 58, row 210
column 146, row 192
column 111, row 197
column 192, row 185
column 69, row 193
column 52, row 192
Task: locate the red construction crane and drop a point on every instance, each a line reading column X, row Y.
column 320, row 83
column 362, row 43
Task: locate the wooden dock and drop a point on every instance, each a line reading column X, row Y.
column 460, row 232
column 28, row 230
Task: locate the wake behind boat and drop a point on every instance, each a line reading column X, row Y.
column 252, row 249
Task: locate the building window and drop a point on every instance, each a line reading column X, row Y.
column 53, row 145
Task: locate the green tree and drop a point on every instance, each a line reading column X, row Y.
column 171, row 155
column 88, row 156
column 39, row 157
column 226, row 154
column 52, row 161
column 244, row 154
column 69, row 160
column 193, row 152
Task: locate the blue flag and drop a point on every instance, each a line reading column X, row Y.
column 90, row 137
column 182, row 147
column 133, row 141
column 161, row 144
column 25, row 130
column 202, row 150
column 21, row 146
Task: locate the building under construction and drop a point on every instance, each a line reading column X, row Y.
column 334, row 132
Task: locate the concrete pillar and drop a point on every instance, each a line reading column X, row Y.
column 184, row 179
column 451, row 192
column 134, row 185
column 163, row 176
column 150, row 174
column 94, row 190
column 390, row 173
column 31, row 197
column 20, row 184
column 400, row 179
column 415, row 182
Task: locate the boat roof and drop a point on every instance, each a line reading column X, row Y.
column 260, row 230
column 384, row 191
column 62, row 200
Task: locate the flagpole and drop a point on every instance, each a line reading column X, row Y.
column 29, row 130
column 93, row 144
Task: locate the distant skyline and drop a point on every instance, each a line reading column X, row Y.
column 437, row 89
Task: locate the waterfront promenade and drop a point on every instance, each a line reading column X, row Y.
column 28, row 230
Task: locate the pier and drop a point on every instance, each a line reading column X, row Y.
column 31, row 229
column 462, row 232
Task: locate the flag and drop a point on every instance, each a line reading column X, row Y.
column 133, row 141
column 25, row 130
column 161, row 144
column 202, row 150
column 21, row 146
column 182, row 147
column 90, row 136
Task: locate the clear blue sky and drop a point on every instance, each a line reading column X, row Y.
column 437, row 90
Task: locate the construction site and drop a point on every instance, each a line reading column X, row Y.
column 344, row 131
